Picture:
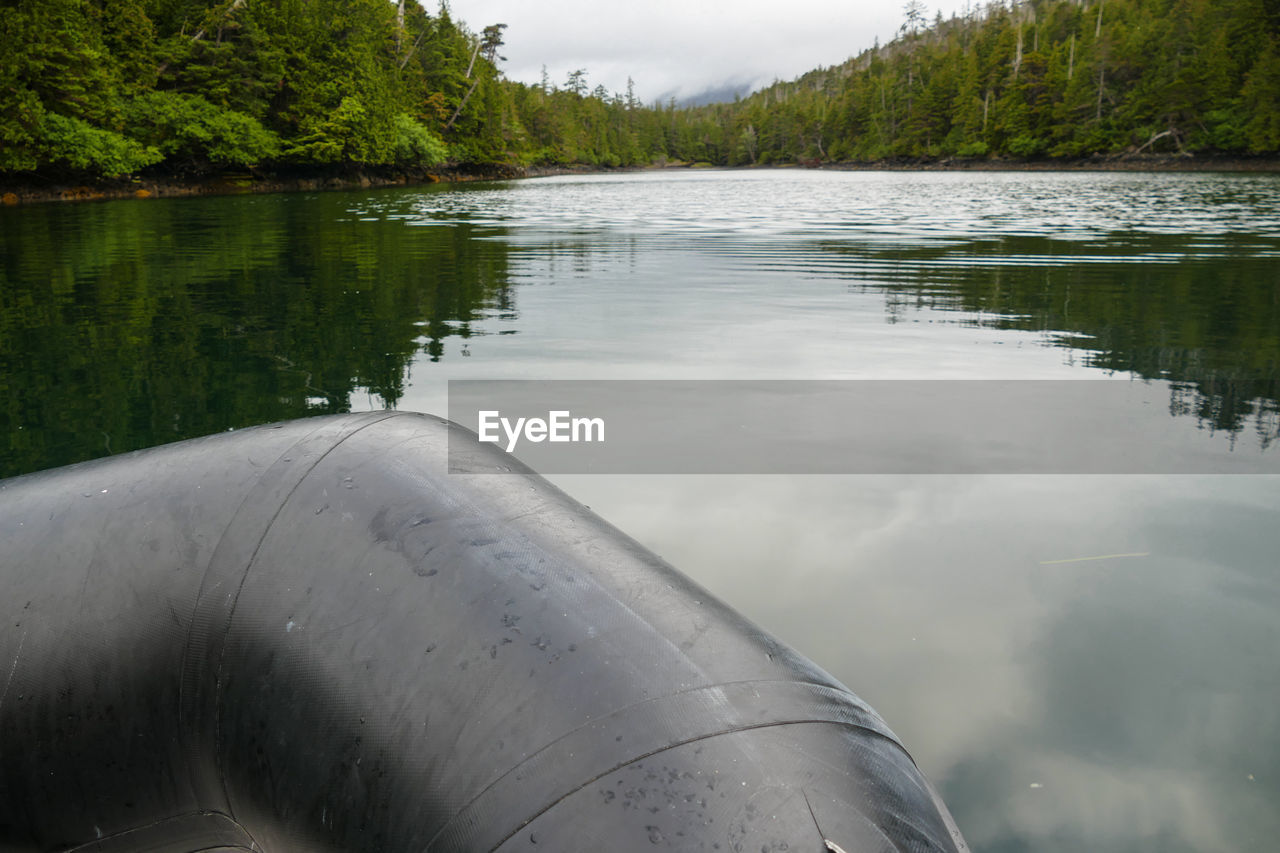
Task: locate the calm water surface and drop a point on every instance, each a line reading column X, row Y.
column 1080, row 663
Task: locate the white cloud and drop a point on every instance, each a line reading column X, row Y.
column 682, row 48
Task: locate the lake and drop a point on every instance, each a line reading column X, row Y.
column 1079, row 662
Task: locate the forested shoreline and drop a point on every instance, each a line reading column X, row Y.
column 120, row 93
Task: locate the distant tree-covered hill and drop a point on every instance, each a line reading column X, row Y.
column 1033, row 79
column 103, row 88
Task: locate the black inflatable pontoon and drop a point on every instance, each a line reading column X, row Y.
column 311, row 637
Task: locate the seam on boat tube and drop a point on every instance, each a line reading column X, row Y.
column 249, row 563
column 462, row 821
column 220, row 635
column 729, row 731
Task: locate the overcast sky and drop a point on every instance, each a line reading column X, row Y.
column 683, row 47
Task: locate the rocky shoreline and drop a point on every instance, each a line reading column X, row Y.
column 33, row 192
column 1098, row 163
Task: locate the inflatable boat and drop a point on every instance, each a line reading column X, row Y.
column 320, row 636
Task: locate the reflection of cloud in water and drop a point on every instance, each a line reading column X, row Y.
column 1083, row 806
column 1139, row 693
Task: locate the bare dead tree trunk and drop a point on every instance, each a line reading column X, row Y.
column 200, row 33
column 1102, row 81
column 236, row 5
column 474, row 83
column 404, row 60
column 1161, row 135
column 1017, row 56
column 472, row 64
column 461, row 104
column 1102, row 60
column 400, row 26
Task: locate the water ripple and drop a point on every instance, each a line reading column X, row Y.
column 866, row 207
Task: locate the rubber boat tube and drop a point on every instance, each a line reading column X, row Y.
column 311, row 636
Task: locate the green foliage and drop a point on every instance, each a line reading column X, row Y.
column 187, row 129
column 89, row 149
column 1261, row 97
column 1024, row 146
column 345, row 134
column 54, row 63
column 19, row 132
column 414, row 145
column 242, row 70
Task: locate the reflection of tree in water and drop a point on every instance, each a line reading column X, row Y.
column 126, row 325
column 1205, row 317
column 1226, row 404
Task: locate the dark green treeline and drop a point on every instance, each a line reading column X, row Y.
column 96, row 88
column 1034, row 79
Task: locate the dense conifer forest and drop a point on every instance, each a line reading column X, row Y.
column 98, row 89
column 1037, row 79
